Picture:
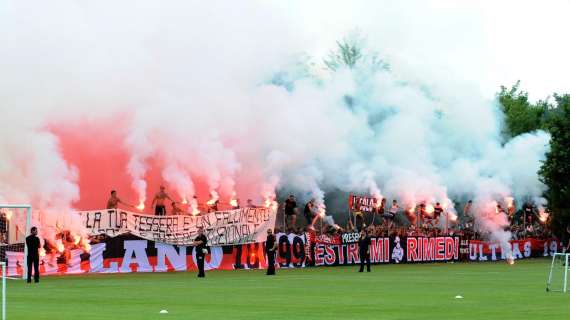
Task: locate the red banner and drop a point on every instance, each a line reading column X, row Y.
column 124, row 254
column 362, row 203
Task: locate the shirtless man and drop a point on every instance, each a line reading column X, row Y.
column 114, row 201
column 158, row 202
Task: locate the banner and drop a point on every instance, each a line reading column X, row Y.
column 301, row 250
column 528, row 248
column 362, row 203
column 231, row 227
column 324, row 238
column 127, row 253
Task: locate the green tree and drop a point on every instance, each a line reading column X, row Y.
column 351, row 52
column 555, row 171
column 521, row 116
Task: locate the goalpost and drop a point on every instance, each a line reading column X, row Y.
column 14, row 228
column 558, row 273
column 3, row 266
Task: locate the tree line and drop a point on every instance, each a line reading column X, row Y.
column 553, row 116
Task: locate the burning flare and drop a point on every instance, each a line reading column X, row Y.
column 194, row 205
column 270, row 203
column 140, row 207
column 233, row 200
column 321, row 211
column 429, row 209
column 452, row 216
column 510, row 202
column 543, row 215
column 213, row 198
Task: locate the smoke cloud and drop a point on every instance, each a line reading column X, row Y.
column 219, row 98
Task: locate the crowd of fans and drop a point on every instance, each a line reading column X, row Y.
column 423, row 220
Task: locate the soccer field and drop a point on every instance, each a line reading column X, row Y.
column 490, row 291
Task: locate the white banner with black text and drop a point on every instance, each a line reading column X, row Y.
column 230, row 227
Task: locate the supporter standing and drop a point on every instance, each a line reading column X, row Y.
column 380, row 211
column 468, row 217
column 364, row 250
column 290, row 212
column 33, row 258
column 392, row 212
column 114, row 201
column 308, row 212
column 437, row 212
column 201, row 246
column 158, row 202
column 270, row 248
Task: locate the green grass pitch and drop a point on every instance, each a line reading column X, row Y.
column 490, row 291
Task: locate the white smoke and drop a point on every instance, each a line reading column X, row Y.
column 237, row 94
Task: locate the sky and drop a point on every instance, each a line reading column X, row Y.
column 488, row 43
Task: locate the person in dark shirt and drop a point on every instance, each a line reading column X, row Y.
column 33, row 258
column 437, row 213
column 270, row 248
column 422, row 215
column 364, row 250
column 201, row 246
column 528, row 211
column 308, row 212
column 291, row 212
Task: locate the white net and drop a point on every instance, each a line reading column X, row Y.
column 13, row 226
column 558, row 275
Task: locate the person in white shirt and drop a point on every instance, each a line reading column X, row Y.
column 391, row 215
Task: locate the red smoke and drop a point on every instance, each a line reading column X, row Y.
column 97, row 149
